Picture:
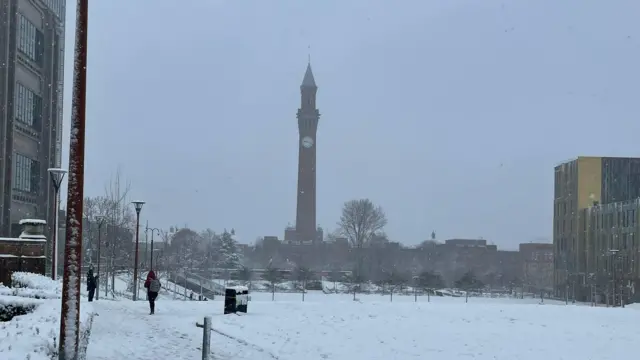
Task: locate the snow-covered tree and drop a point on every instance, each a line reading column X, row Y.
column 229, row 256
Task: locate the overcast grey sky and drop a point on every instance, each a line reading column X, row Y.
column 449, row 114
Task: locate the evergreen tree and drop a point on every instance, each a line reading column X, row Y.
column 229, row 256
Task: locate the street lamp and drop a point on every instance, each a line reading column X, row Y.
column 100, row 219
column 138, row 205
column 56, row 179
column 153, row 230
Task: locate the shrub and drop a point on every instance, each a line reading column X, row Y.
column 35, row 286
column 12, row 307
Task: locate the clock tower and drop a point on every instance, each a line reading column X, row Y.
column 308, row 117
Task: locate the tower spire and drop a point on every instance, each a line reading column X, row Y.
column 308, row 81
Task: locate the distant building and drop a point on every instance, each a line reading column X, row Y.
column 466, row 242
column 594, row 213
column 537, row 266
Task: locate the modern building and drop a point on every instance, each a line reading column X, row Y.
column 31, row 90
column 589, row 193
column 611, row 234
column 308, row 116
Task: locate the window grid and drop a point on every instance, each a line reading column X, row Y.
column 30, row 40
column 57, row 6
column 26, row 174
column 28, row 106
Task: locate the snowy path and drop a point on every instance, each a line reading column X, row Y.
column 125, row 330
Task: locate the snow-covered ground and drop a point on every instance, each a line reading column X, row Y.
column 34, row 336
column 336, row 327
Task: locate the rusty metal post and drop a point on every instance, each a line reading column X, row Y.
column 70, row 313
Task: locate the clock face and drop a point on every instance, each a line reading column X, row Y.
column 307, row 142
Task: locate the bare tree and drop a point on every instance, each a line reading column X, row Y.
column 119, row 217
column 394, row 280
column 354, row 282
column 360, row 221
column 273, row 276
column 302, row 275
column 246, row 275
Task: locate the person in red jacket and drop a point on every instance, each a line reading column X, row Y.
column 152, row 284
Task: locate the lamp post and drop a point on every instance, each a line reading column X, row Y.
column 138, row 205
column 153, row 230
column 56, row 179
column 146, row 243
column 100, row 220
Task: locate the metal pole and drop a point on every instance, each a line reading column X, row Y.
column 57, row 175
column 135, row 265
column 151, row 261
column 70, row 313
column 54, row 238
column 146, row 243
column 206, row 337
column 99, row 247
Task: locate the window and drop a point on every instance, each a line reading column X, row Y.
column 30, row 40
column 28, row 106
column 26, row 174
column 57, row 6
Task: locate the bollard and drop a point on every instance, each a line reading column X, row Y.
column 206, row 337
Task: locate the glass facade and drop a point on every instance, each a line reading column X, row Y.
column 620, row 179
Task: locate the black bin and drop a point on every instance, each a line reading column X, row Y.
column 236, row 299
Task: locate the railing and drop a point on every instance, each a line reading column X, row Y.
column 207, row 288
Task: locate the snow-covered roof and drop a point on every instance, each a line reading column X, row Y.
column 24, row 257
column 33, row 221
column 34, row 238
column 238, row 288
column 25, row 235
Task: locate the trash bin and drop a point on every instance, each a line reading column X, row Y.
column 236, row 299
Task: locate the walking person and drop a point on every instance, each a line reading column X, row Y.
column 152, row 284
column 91, row 284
